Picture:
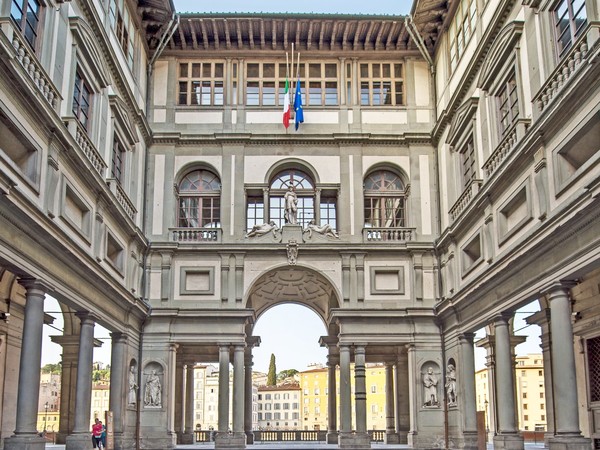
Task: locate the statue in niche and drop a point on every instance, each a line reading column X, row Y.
column 291, row 206
column 153, row 396
column 430, row 382
column 451, row 385
column 262, row 229
column 325, row 230
column 133, row 386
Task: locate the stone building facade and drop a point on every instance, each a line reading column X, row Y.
column 445, row 174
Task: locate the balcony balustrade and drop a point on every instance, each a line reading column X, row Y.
column 463, row 201
column 382, row 234
column 196, row 235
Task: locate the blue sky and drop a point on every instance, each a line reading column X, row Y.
column 391, row 7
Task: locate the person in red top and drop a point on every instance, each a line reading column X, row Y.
column 97, row 434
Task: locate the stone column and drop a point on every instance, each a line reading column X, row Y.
column 178, row 401
column 26, row 436
column 188, row 431
column 465, row 384
column 80, row 438
column 248, row 396
column 412, row 394
column 238, row 389
column 68, row 377
column 391, row 437
column 488, row 343
column 542, row 319
column 345, row 391
column 223, row 389
column 360, row 389
column 508, row 436
column 118, row 373
column 402, row 397
column 332, row 435
column 564, row 377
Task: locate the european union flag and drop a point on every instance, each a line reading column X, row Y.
column 298, row 105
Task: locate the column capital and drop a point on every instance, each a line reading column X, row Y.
column 86, row 317
column 360, row 348
column 118, row 336
column 502, row 318
column 466, row 337
column 557, row 287
column 35, row 285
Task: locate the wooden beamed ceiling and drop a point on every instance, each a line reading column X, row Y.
column 308, row 32
column 275, row 33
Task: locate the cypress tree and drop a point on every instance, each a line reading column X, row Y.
column 272, row 376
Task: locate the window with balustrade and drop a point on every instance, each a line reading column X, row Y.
column 27, row 15
column 461, row 29
column 468, row 162
column 199, row 200
column 122, row 24
column 570, row 18
column 508, row 104
column 82, row 98
column 117, row 166
column 313, row 201
column 385, row 200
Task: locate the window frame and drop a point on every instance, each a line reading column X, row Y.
column 200, row 207
column 572, row 28
column 203, row 81
column 22, row 22
column 81, row 83
column 378, row 76
column 263, row 199
column 121, row 22
column 460, row 31
column 375, row 196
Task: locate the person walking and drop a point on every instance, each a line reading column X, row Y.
column 97, row 429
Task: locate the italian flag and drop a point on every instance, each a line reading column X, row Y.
column 286, row 104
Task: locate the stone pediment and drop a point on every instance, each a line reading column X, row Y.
column 499, row 53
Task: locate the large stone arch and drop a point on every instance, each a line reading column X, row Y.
column 293, row 284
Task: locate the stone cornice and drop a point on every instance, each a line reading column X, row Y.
column 278, row 140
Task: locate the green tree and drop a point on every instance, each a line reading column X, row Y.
column 286, row 374
column 272, row 375
column 52, row 368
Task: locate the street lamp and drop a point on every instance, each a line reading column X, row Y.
column 45, row 417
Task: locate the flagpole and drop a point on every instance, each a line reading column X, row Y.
column 292, row 72
column 287, row 76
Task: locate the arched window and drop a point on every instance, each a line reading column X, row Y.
column 385, row 200
column 314, row 202
column 199, row 200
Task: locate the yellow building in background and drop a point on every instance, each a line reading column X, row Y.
column 313, row 384
column 531, row 401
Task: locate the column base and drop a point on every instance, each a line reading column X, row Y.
column 565, row 442
column 467, row 440
column 26, row 442
column 79, row 441
column 235, row 441
column 354, row 441
column 509, row 442
column 391, row 438
column 187, row 438
column 249, row 437
column 331, row 437
column 157, row 441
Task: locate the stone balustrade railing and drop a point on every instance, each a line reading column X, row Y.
column 468, row 194
column 568, row 66
column 194, row 235
column 86, row 145
column 122, row 198
column 382, row 234
column 30, row 64
column 514, row 135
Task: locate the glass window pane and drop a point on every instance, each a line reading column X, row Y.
column 364, row 92
column 268, row 93
column 196, row 92
column 314, row 93
column 376, row 70
column 182, row 93
column 314, row 70
column 364, row 71
column 196, row 70
column 252, row 93
column 218, row 93
column 330, row 70
column 398, row 70
column 218, row 70
column 206, row 91
column 387, row 70
column 331, row 95
column 253, row 70
column 268, row 70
